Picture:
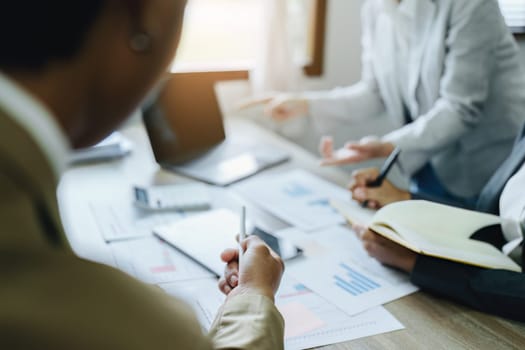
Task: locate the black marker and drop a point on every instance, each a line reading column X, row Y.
column 391, row 160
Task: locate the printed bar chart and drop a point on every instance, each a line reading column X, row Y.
column 354, row 282
column 297, row 290
column 349, row 286
column 296, row 190
column 297, row 197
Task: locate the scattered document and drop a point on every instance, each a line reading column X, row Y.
column 202, row 295
column 342, row 242
column 337, row 267
column 349, row 285
column 117, row 222
column 299, row 320
column 312, row 321
column 153, row 261
column 299, row 198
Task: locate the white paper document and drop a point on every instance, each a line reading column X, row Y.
column 153, row 261
column 118, row 221
column 312, row 321
column 202, row 295
column 297, row 197
column 348, row 284
column 337, row 267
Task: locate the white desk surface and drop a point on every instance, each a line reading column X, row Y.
column 430, row 322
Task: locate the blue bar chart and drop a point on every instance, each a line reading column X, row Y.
column 298, row 198
column 354, row 282
column 347, row 283
column 296, row 190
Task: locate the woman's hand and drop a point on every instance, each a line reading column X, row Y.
column 280, row 107
column 386, row 251
column 353, row 152
column 375, row 197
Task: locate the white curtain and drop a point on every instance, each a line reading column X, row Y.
column 275, row 69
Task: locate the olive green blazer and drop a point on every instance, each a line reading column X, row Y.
column 51, row 299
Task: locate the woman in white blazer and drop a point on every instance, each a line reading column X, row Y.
column 447, row 72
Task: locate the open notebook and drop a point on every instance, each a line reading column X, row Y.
column 437, row 230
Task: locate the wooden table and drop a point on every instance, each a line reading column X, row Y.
column 430, row 322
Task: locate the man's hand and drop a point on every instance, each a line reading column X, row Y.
column 353, row 152
column 280, row 107
column 386, row 251
column 260, row 271
column 375, row 197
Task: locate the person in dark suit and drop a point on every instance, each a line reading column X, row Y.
column 494, row 291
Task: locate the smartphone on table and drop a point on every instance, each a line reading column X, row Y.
column 283, row 247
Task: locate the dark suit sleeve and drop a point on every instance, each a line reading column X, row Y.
column 497, row 292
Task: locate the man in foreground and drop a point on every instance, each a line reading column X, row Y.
column 70, row 71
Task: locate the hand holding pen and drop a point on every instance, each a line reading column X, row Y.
column 372, row 190
column 252, row 268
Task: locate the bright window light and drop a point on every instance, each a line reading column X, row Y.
column 514, row 13
column 224, row 34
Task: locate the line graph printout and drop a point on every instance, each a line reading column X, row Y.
column 155, row 262
column 312, row 321
column 299, row 198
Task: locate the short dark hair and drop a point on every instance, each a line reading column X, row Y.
column 36, row 32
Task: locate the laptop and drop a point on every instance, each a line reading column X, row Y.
column 187, row 136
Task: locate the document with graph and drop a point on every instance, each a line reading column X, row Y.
column 153, row 261
column 310, row 320
column 120, row 222
column 299, row 198
column 202, row 295
column 349, row 285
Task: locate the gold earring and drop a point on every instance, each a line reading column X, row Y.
column 140, row 42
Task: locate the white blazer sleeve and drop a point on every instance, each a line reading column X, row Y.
column 357, row 102
column 464, row 87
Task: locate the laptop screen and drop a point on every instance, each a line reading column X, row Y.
column 183, row 121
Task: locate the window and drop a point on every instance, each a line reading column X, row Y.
column 222, row 35
column 514, row 13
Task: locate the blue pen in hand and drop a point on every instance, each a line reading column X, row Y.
column 387, row 166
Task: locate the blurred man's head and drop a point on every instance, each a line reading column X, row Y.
column 90, row 61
